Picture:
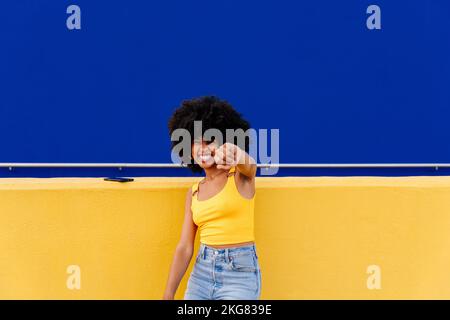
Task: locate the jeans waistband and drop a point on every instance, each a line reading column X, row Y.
column 206, row 250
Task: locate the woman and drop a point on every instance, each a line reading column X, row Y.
column 220, row 207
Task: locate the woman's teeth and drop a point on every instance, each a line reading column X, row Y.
column 205, row 157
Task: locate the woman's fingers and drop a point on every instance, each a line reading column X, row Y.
column 218, row 156
column 225, row 155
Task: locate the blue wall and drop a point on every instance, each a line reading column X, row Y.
column 338, row 92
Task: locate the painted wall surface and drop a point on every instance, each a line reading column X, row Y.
column 317, row 238
column 337, row 91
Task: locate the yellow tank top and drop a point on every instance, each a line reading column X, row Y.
column 225, row 218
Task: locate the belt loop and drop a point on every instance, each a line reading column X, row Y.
column 227, row 258
column 203, row 251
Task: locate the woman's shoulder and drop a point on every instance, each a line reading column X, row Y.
column 194, row 188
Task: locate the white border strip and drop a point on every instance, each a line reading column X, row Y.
column 274, row 165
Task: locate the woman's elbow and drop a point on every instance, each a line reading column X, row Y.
column 186, row 250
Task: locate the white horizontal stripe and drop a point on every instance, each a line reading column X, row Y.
column 260, row 165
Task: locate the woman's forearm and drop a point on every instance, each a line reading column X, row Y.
column 246, row 164
column 180, row 263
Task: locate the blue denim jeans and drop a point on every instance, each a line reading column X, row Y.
column 225, row 274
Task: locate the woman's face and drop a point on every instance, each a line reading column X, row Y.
column 203, row 153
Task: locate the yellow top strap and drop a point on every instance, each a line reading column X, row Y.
column 233, row 169
column 195, row 188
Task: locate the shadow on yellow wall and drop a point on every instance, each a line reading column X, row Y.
column 317, row 238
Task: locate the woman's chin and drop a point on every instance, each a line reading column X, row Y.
column 206, row 165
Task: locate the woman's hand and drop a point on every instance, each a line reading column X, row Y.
column 229, row 155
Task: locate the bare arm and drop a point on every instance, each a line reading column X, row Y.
column 246, row 165
column 183, row 251
column 245, row 174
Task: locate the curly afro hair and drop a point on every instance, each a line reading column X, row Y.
column 214, row 113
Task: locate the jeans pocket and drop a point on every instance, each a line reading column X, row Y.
column 243, row 263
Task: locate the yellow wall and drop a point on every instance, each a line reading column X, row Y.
column 316, row 237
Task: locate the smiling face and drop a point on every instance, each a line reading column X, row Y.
column 203, row 153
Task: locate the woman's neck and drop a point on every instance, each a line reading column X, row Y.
column 211, row 173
